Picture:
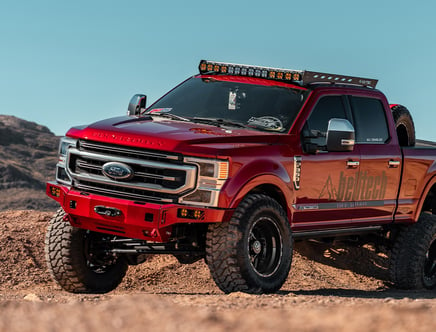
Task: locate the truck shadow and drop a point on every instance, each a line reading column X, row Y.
column 364, row 259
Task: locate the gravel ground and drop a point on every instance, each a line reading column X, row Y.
column 331, row 288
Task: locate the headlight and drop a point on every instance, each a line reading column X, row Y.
column 61, row 173
column 212, row 174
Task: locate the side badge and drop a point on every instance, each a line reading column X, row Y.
column 297, row 171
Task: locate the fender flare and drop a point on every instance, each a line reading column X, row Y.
column 265, row 179
column 427, row 189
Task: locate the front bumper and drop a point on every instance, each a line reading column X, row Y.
column 138, row 220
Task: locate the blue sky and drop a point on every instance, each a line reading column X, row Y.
column 66, row 63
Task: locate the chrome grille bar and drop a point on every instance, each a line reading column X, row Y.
column 84, row 165
column 155, row 176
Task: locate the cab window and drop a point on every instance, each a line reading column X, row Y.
column 370, row 120
column 315, row 129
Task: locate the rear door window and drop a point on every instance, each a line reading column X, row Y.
column 369, row 120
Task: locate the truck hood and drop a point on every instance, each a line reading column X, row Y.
column 171, row 135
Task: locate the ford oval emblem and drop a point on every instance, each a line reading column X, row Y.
column 117, row 171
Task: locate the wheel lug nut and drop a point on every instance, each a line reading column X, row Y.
column 256, row 247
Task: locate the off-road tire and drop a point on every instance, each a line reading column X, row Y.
column 252, row 252
column 413, row 260
column 66, row 256
column 404, row 125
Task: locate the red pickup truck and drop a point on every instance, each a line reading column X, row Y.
column 232, row 166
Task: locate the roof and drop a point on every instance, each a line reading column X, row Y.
column 301, row 77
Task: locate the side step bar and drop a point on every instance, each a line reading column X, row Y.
column 337, row 232
column 132, row 246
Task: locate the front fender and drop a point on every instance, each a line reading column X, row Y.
column 256, row 174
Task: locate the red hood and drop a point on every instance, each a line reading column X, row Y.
column 170, row 135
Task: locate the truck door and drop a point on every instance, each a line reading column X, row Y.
column 380, row 162
column 324, row 192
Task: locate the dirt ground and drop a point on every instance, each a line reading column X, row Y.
column 337, row 287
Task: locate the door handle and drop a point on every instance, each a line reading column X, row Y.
column 394, row 163
column 352, row 164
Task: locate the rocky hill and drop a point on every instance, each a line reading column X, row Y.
column 28, row 155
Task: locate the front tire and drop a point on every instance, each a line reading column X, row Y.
column 78, row 260
column 413, row 261
column 253, row 251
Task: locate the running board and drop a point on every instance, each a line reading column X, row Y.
column 336, row 232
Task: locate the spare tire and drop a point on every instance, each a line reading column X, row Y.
column 404, row 125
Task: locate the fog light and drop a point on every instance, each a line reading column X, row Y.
column 197, row 214
column 55, row 191
column 190, row 214
column 183, row 213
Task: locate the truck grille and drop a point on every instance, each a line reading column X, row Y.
column 156, row 176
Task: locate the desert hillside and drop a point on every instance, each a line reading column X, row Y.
column 28, row 154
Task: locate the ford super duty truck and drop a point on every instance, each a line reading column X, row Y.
column 232, row 166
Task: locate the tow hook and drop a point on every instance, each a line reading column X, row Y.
column 107, row 211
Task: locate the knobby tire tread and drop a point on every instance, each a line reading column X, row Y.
column 63, row 264
column 221, row 247
column 408, row 253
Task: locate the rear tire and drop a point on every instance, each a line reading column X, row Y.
column 77, row 259
column 413, row 261
column 253, row 251
column 404, row 125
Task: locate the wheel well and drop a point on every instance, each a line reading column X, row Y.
column 430, row 201
column 273, row 192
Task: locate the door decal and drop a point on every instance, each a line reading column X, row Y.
column 361, row 187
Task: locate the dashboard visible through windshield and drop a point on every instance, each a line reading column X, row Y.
column 208, row 100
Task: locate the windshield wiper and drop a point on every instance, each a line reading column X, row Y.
column 169, row 116
column 218, row 122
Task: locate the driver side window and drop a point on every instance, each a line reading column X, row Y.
column 315, row 129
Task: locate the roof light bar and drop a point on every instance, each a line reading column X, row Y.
column 216, row 68
column 300, row 77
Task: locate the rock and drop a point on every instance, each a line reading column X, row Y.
column 28, row 156
column 31, row 297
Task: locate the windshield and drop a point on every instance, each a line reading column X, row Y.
column 266, row 108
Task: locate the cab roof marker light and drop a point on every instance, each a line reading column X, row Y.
column 301, row 77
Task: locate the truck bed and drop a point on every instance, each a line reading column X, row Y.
column 425, row 144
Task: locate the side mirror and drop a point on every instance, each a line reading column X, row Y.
column 340, row 135
column 137, row 104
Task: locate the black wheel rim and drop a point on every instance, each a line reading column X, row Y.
column 265, row 247
column 98, row 256
column 430, row 266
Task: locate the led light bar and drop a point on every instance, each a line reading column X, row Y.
column 284, row 75
column 300, row 77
